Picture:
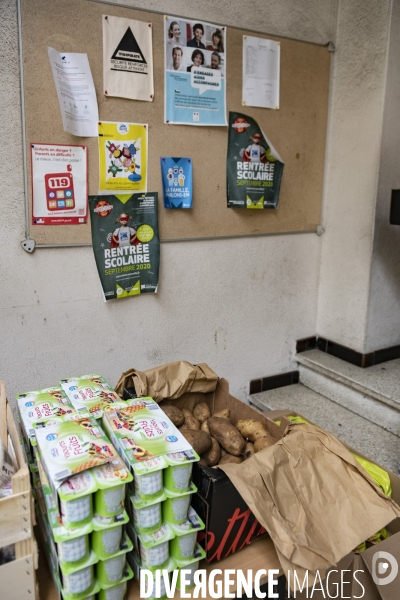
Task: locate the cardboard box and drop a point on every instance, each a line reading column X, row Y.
column 230, row 525
column 374, row 574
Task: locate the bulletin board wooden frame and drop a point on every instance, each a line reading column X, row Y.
column 297, row 129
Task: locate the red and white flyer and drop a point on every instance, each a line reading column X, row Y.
column 59, row 184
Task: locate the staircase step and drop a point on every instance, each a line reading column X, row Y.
column 366, row 437
column 369, row 408
column 381, row 382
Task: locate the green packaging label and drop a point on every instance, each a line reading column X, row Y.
column 90, row 393
column 143, row 431
column 72, row 447
column 40, row 407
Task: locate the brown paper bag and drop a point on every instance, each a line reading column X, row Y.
column 314, row 499
column 169, row 381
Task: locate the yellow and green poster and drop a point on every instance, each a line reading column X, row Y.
column 123, row 157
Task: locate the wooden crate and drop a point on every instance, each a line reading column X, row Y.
column 18, row 577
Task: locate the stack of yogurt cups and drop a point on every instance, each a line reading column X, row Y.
column 163, row 526
column 82, row 515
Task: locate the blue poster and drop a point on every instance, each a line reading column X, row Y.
column 195, row 72
column 177, row 182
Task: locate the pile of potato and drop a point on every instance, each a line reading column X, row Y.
column 214, row 437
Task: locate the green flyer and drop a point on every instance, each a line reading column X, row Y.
column 253, row 167
column 126, row 243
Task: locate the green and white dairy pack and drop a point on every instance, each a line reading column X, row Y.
column 90, row 394
column 71, row 447
column 182, row 546
column 45, row 407
column 148, row 443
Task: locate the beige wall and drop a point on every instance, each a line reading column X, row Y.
column 238, row 305
column 384, row 300
column 352, row 168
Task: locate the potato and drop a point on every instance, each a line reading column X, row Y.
column 174, row 414
column 251, row 429
column 223, row 414
column 223, row 452
column 228, row 458
column 201, row 412
column 248, row 450
column 191, row 423
column 203, row 462
column 187, row 412
column 213, row 455
column 204, row 427
column 263, row 442
column 227, row 435
column 199, row 440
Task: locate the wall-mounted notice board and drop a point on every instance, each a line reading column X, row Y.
column 297, row 129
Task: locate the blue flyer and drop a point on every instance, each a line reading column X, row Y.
column 177, row 182
column 195, row 72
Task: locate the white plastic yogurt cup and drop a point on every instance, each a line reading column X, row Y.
column 74, row 511
column 155, row 556
column 148, row 485
column 147, row 517
column 73, row 550
column 79, row 581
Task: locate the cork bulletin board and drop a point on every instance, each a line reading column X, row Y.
column 297, row 129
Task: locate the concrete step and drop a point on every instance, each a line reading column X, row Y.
column 372, row 393
column 363, row 435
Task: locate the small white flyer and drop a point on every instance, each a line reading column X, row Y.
column 261, row 72
column 76, row 93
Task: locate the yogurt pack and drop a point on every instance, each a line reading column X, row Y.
column 152, row 448
column 90, row 394
column 42, row 408
column 108, row 537
column 75, row 579
column 72, row 447
column 115, row 570
column 82, row 475
column 191, row 565
column 182, row 546
column 136, row 565
column 153, row 549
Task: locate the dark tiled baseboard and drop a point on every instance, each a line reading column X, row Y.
column 347, row 354
column 274, row 381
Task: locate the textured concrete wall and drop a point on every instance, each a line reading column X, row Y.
column 384, row 301
column 351, row 177
column 236, row 304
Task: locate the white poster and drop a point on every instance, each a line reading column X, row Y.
column 75, row 90
column 59, row 184
column 261, row 72
column 127, row 58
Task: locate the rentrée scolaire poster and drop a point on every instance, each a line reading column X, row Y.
column 126, row 243
column 253, row 168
